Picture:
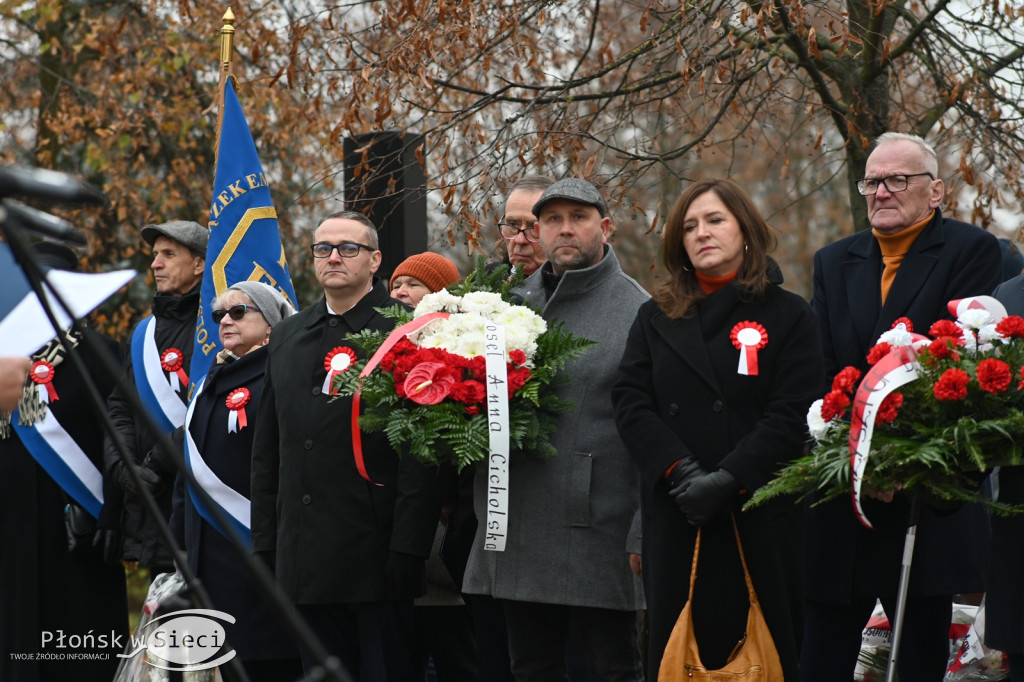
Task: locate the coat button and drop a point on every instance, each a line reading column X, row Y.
column 316, row 390
column 673, row 409
column 717, row 406
column 308, row 445
column 333, row 322
column 306, row 499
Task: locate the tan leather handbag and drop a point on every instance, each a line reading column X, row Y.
column 754, row 657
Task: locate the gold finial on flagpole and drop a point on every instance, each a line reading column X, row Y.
column 227, row 53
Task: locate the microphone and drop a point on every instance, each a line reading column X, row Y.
column 41, row 222
column 47, row 184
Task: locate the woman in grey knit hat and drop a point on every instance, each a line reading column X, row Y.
column 219, row 430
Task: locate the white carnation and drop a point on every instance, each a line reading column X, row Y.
column 897, row 337
column 815, row 423
column 974, row 318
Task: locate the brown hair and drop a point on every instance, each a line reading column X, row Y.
column 681, row 294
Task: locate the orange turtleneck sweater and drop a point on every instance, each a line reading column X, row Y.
column 709, row 284
column 894, row 248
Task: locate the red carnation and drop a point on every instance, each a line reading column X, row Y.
column 945, row 328
column 846, row 380
column 833, row 405
column 472, row 410
column 469, row 392
column 952, row 385
column 516, row 378
column 943, row 347
column 879, row 351
column 993, row 375
column 889, row 409
column 517, row 356
column 1011, row 326
column 905, row 321
column 1020, row 386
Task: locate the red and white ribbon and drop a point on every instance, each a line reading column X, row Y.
column 748, row 338
column 236, row 402
column 898, row 367
column 173, row 362
column 336, row 362
column 42, row 374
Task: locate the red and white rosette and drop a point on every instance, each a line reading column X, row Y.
column 748, row 338
column 337, row 361
column 42, row 374
column 172, row 361
column 236, row 402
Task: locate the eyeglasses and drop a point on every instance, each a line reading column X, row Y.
column 894, row 183
column 345, row 250
column 511, row 229
column 235, row 312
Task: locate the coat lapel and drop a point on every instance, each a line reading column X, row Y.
column 862, row 272
column 685, row 338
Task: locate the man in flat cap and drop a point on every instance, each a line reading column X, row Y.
column 158, row 364
column 565, row 563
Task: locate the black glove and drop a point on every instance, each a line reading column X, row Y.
column 107, row 541
column 709, row 497
column 405, row 575
column 682, row 476
column 150, row 479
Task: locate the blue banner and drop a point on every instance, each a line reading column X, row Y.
column 245, row 243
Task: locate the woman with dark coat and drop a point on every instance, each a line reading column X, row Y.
column 220, row 427
column 711, row 399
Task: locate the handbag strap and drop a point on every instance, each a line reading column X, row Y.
column 743, row 561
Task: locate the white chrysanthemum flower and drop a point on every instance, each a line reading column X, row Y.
column 815, row 424
column 439, row 301
column 897, row 337
column 974, row 318
column 483, row 302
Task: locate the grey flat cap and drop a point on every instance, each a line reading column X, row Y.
column 573, row 189
column 186, row 232
column 268, row 299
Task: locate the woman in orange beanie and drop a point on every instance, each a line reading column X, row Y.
column 422, row 274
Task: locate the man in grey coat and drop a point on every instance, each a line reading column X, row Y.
column 565, row 562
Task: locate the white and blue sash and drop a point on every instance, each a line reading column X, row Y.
column 60, row 457
column 160, row 400
column 234, row 506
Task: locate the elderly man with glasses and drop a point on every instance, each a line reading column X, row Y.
column 518, row 225
column 909, row 265
column 345, row 530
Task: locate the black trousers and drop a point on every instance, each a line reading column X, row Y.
column 832, row 639
column 538, row 642
column 373, row 640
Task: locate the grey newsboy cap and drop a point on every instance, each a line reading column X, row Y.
column 573, row 189
column 268, row 299
column 191, row 234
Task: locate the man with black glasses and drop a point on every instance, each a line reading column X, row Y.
column 910, row 264
column 346, row 530
column 518, row 225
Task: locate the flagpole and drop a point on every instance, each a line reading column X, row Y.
column 227, row 53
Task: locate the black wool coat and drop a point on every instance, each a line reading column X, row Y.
column 331, row 529
column 42, row 586
column 949, row 260
column 256, row 633
column 679, row 394
column 1004, row 603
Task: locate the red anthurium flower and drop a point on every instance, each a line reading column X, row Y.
column 428, row 383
